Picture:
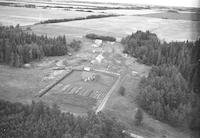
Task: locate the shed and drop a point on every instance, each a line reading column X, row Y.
column 86, row 68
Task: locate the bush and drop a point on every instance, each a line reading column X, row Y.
column 75, row 44
column 138, row 117
column 173, row 11
column 103, row 38
column 100, row 16
column 121, row 91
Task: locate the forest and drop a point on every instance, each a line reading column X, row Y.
column 18, row 47
column 171, row 92
column 39, row 120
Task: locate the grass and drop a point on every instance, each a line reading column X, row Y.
column 28, row 16
column 170, row 30
column 78, row 94
column 20, row 85
column 174, row 15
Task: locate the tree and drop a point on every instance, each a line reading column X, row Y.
column 121, row 91
column 138, row 117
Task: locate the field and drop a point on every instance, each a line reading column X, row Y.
column 130, row 11
column 176, row 16
column 29, row 16
column 154, row 20
column 20, row 85
column 170, row 30
column 81, row 96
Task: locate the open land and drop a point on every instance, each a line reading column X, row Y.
column 176, row 16
column 29, row 16
column 74, row 95
column 113, row 26
column 156, row 20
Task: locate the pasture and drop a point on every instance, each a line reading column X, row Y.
column 29, row 16
column 176, row 16
column 168, row 26
column 169, row 30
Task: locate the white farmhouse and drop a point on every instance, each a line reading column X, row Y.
column 99, row 58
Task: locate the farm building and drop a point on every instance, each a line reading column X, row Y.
column 99, row 58
column 87, row 68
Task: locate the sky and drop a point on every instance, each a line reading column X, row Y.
column 184, row 3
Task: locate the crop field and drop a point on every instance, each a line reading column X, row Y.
column 76, row 95
column 131, row 12
column 28, row 16
column 175, row 16
column 159, row 22
column 170, row 30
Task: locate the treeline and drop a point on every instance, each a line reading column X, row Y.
column 18, row 47
column 101, row 37
column 78, row 18
column 171, row 92
column 40, row 121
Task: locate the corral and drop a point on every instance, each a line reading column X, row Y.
column 82, row 90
